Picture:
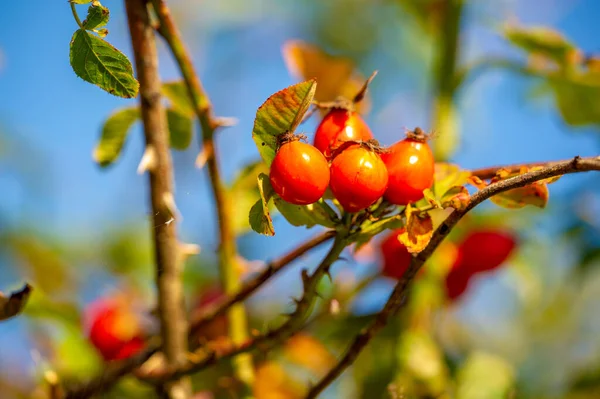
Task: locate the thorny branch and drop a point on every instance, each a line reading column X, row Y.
column 118, row 370
column 207, row 356
column 209, row 124
column 399, row 296
column 171, row 311
column 248, row 288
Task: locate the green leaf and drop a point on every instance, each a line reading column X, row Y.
column 281, row 113
column 446, row 177
column 97, row 16
column 114, row 133
column 541, row 41
column 578, row 98
column 422, row 359
column 180, row 129
column 370, row 229
column 484, row 375
column 456, row 197
column 296, row 215
column 177, row 94
column 45, row 308
column 306, row 215
column 96, row 61
column 80, row 1
column 323, row 214
column 259, row 218
column 245, row 192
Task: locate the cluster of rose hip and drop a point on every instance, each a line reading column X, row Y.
column 346, row 158
column 359, row 172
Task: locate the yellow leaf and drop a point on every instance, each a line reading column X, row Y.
column 536, row 194
column 308, row 352
column 457, row 197
column 336, row 75
column 272, row 382
column 419, row 230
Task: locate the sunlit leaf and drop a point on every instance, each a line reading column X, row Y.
column 281, row 113
column 309, row 352
column 541, row 41
column 370, row 229
column 296, row 215
column 40, row 262
column 419, row 229
column 177, row 94
column 305, row 215
column 446, row 176
column 484, row 375
column 180, row 129
column 97, row 16
column 535, row 194
column 423, row 360
column 114, row 133
column 14, row 303
column 337, row 76
column 45, row 308
column 80, row 1
column 578, row 97
column 259, row 218
column 245, row 192
column 456, row 197
column 96, row 61
column 272, row 382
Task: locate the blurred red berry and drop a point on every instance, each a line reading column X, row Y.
column 457, row 282
column 396, row 257
column 115, row 329
column 484, row 250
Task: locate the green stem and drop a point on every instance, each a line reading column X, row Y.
column 231, row 279
column 75, row 15
column 444, row 113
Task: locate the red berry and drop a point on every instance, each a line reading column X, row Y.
column 410, row 166
column 299, row 173
column 338, row 126
column 358, row 178
column 457, row 282
column 115, row 330
column 396, row 257
column 484, row 250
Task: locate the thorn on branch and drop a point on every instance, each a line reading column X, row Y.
column 225, row 121
column 169, row 202
column 203, row 156
column 148, row 161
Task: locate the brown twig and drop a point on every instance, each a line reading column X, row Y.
column 490, row 172
column 208, row 123
column 399, row 295
column 173, row 323
column 248, row 288
column 110, row 375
